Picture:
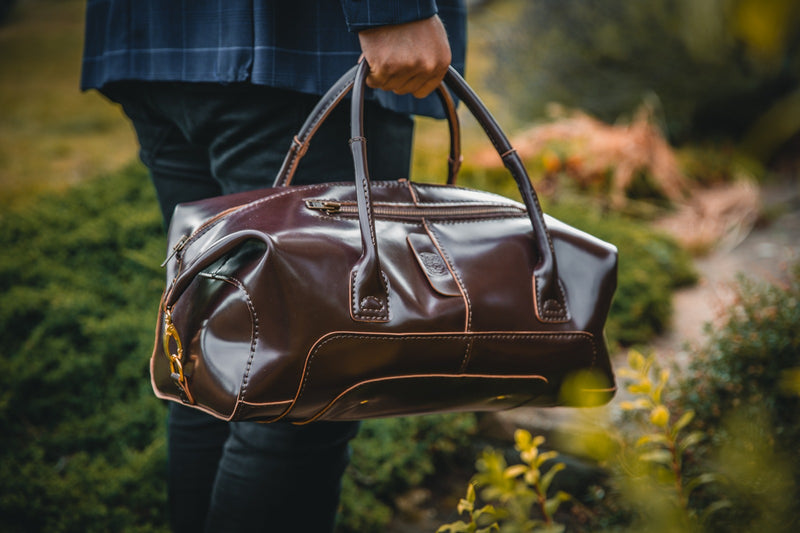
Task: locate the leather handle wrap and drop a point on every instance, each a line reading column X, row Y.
column 550, row 302
column 328, row 103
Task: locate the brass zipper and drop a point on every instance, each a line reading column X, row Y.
column 184, row 240
column 334, row 207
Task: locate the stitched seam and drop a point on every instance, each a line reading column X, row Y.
column 417, row 376
column 378, row 315
column 423, row 205
column 500, row 197
column 254, row 332
column 467, row 355
column 539, row 303
column 350, row 218
column 265, row 404
column 455, row 272
column 384, row 218
column 315, row 124
column 245, row 207
column 479, row 219
column 413, row 192
column 368, row 198
column 469, row 337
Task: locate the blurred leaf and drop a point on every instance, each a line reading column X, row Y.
column 683, row 421
column 662, row 457
column 659, row 416
column 653, row 438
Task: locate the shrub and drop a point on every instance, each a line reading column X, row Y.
column 392, row 455
column 743, row 387
column 81, row 434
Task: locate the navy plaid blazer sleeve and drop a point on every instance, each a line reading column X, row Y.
column 363, row 14
column 302, row 45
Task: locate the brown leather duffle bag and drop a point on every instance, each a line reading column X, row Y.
column 348, row 301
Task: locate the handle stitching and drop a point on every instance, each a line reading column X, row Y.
column 324, row 110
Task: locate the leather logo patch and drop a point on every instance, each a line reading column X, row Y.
column 434, row 264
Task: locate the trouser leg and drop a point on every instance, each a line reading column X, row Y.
column 194, row 449
column 280, row 477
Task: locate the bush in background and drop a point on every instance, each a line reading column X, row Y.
column 744, row 386
column 393, row 455
column 81, row 434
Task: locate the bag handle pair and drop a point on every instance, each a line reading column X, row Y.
column 369, row 290
column 368, row 286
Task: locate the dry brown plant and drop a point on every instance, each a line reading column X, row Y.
column 720, row 216
column 596, row 150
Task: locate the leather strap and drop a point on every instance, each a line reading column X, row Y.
column 368, row 280
column 328, row 103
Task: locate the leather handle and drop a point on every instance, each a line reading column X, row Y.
column 369, row 284
column 328, row 103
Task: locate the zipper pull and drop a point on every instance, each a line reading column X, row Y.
column 175, row 249
column 328, row 206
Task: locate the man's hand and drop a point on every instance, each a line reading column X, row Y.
column 407, row 58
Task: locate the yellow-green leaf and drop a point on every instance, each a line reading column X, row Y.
column 683, row 421
column 690, row 440
column 515, row 471
column 659, row 416
column 662, row 457
column 652, row 438
column 636, row 360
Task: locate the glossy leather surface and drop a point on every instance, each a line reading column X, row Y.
column 393, row 307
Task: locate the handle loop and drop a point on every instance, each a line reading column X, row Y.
column 328, row 103
column 368, row 281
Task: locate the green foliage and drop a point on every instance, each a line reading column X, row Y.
column 392, row 455
column 520, row 493
column 716, row 65
column 82, row 439
column 653, row 468
column 743, row 387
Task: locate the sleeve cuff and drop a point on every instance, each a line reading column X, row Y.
column 365, row 14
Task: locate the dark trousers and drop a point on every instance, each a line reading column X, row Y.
column 204, row 140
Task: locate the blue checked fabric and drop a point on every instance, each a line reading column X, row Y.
column 303, row 45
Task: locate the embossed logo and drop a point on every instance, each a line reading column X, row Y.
column 434, row 264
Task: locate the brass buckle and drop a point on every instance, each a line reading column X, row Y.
column 175, row 358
